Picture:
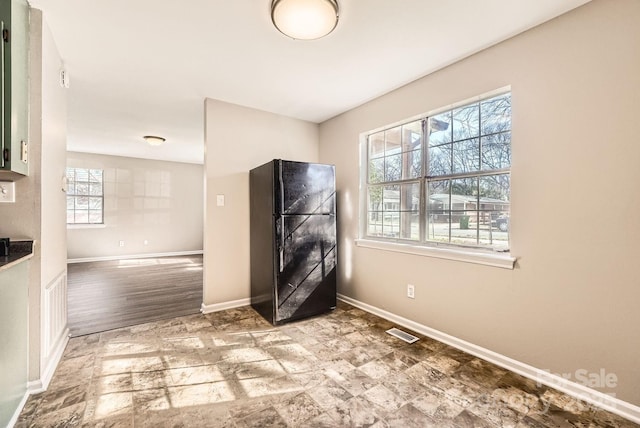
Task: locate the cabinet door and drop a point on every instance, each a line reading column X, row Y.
column 19, row 83
column 15, row 65
column 5, row 82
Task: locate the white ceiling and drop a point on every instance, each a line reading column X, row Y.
column 141, row 67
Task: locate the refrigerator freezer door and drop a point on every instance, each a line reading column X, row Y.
column 307, row 281
column 306, row 188
column 263, row 251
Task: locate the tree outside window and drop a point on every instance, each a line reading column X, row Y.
column 444, row 178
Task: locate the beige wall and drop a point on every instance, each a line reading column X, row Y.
column 53, row 123
column 572, row 301
column 238, row 139
column 38, row 212
column 157, row 201
column 48, row 124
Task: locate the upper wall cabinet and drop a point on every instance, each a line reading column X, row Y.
column 14, row 15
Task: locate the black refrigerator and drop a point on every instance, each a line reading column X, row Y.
column 293, row 239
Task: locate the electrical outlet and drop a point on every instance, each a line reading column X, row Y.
column 122, row 243
column 411, row 291
column 7, row 191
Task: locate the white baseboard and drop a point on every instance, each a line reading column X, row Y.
column 41, row 385
column 207, row 309
column 16, row 414
column 581, row 392
column 134, row 256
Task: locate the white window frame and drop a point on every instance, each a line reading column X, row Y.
column 423, row 247
column 72, row 193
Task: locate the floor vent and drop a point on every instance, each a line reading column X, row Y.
column 409, row 338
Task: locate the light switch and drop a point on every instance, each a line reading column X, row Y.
column 7, row 191
column 220, row 200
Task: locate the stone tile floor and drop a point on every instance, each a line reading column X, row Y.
column 233, row 369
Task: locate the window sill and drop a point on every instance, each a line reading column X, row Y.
column 503, row 261
column 86, row 226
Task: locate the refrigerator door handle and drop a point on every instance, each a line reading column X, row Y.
column 281, row 195
column 282, row 245
column 281, row 214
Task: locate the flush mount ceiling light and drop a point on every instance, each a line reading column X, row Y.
column 305, row 19
column 153, row 140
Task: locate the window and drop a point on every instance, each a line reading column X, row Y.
column 85, row 196
column 443, row 179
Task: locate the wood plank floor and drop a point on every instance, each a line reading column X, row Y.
column 114, row 294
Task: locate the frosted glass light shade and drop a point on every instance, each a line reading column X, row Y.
column 305, row 19
column 153, row 140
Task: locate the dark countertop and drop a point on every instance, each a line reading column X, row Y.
column 18, row 251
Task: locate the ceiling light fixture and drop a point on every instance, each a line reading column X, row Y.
column 305, row 19
column 153, row 140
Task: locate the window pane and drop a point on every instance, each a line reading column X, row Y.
column 439, row 160
column 466, row 122
column 464, row 227
column 464, row 216
column 376, row 145
column 440, row 129
column 375, row 198
column 466, row 156
column 392, row 167
column 410, row 225
column 391, row 211
column 391, row 224
column 71, row 189
column 496, row 235
column 464, row 194
column 393, row 140
column 82, row 202
column 95, row 189
column 496, row 114
column 412, row 136
column 82, row 216
column 376, row 170
column 438, row 215
column 70, row 217
column 82, row 189
column 374, row 227
column 391, row 198
column 438, row 192
column 494, row 190
column 95, row 203
column 410, row 197
column 405, row 215
column 95, row 216
column 71, row 174
column 496, row 151
column 374, row 216
column 494, row 198
column 95, row 175
column 412, row 164
column 438, row 226
column 82, row 174
column 69, row 202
